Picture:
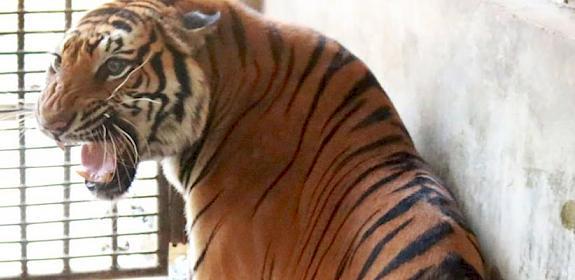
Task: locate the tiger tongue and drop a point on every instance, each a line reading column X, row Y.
column 99, row 165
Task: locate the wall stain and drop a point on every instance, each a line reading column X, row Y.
column 568, row 215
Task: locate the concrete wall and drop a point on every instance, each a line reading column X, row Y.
column 487, row 89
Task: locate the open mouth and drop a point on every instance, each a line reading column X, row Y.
column 99, row 164
column 108, row 170
column 109, row 162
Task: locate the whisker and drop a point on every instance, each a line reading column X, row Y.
column 117, row 166
column 131, row 140
column 133, row 125
column 115, row 158
column 15, row 115
column 122, row 140
column 144, row 99
column 105, row 131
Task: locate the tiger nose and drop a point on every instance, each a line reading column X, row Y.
column 55, row 122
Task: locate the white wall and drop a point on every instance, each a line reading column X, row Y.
column 487, row 88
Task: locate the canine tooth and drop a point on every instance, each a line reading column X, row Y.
column 84, row 174
column 61, row 145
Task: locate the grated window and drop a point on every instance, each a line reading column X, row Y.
column 50, row 226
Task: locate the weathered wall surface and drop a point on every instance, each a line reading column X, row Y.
column 487, row 88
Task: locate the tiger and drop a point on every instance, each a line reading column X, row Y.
column 289, row 154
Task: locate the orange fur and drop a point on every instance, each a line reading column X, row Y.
column 304, row 169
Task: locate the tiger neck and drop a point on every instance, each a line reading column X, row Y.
column 241, row 68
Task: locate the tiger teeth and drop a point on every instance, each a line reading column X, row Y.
column 107, row 178
column 84, row 174
column 61, row 145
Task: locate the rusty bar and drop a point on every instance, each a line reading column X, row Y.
column 22, row 135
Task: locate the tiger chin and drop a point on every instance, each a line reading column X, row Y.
column 290, row 156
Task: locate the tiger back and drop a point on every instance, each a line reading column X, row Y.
column 292, row 160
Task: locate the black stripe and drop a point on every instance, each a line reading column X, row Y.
column 138, row 82
column 145, row 49
column 289, row 72
column 312, row 62
column 399, row 155
column 367, row 82
column 277, row 61
column 158, row 68
column 239, row 35
column 85, row 21
column 448, row 208
column 119, row 44
column 394, row 159
column 400, row 125
column 183, row 77
column 420, row 274
column 330, row 136
column 419, row 181
column 152, row 7
column 338, row 205
column 207, row 167
column 202, row 256
column 109, row 42
column 326, row 171
column 347, row 255
column 271, row 274
column 128, row 15
column 189, row 160
column 386, row 164
column 381, row 183
column 90, row 123
column 475, row 245
column 158, row 120
column 204, row 210
column 383, row 142
column 340, row 60
column 418, row 247
column 379, row 115
column 375, row 187
column 276, row 43
column 133, row 107
column 453, row 267
column 337, row 62
column 265, row 262
column 92, row 108
column 160, row 115
column 122, row 25
column 400, row 208
column 91, row 47
column 379, row 247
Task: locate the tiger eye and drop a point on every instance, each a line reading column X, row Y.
column 116, row 67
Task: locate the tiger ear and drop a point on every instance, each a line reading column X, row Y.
column 188, row 32
column 197, row 21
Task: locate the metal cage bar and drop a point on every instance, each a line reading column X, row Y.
column 22, row 134
column 22, row 205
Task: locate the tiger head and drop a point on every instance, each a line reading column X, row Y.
column 125, row 85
